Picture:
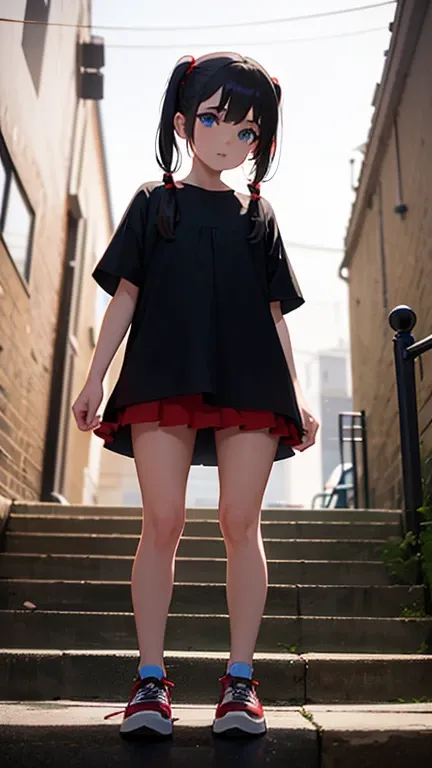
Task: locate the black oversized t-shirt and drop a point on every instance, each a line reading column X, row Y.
column 202, row 322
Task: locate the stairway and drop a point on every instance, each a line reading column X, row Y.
column 332, row 637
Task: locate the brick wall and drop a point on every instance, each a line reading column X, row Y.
column 407, row 245
column 38, row 129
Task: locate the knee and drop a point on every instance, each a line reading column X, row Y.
column 237, row 524
column 164, row 524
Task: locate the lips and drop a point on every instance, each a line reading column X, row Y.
column 221, row 154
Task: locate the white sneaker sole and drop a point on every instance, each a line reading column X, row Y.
column 240, row 721
column 147, row 721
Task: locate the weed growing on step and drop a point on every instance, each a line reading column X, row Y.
column 288, row 648
column 309, row 716
column 424, row 647
column 407, row 558
column 401, row 558
column 414, row 611
column 422, row 700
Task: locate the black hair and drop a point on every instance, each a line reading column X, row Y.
column 245, row 85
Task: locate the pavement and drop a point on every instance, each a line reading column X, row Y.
column 37, row 734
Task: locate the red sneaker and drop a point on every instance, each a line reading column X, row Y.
column 239, row 710
column 148, row 712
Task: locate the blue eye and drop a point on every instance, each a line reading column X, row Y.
column 248, row 135
column 207, row 119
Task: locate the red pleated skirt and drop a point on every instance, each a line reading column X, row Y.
column 193, row 411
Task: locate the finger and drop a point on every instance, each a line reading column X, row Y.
column 307, row 441
column 302, row 447
column 90, row 416
column 80, row 416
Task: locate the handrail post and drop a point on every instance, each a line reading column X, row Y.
column 341, row 441
column 365, row 459
column 403, row 319
column 354, row 461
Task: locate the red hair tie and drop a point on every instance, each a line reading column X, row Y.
column 189, row 70
column 168, row 181
column 191, row 66
column 254, row 189
column 277, row 88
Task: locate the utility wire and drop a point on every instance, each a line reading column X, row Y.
column 306, row 247
column 286, row 41
column 201, row 27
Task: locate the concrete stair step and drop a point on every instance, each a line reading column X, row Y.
column 284, row 678
column 79, row 524
column 316, row 737
column 30, row 735
column 195, row 632
column 292, row 600
column 116, row 544
column 211, row 513
column 208, row 570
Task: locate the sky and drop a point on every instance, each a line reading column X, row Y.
column 327, row 87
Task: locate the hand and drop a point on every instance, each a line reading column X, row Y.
column 310, row 424
column 85, row 406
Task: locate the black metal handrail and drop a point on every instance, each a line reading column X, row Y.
column 357, row 433
column 403, row 319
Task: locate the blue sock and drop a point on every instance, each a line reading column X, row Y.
column 151, row 670
column 240, row 669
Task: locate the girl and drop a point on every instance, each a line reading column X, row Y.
column 200, row 274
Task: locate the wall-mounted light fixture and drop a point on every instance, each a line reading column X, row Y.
column 92, row 59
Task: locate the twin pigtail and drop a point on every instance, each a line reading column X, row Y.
column 255, row 208
column 255, row 213
column 168, row 154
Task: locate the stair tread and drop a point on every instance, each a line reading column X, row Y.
column 46, row 534
column 187, row 559
column 330, row 656
column 379, row 717
column 84, row 582
column 425, row 619
column 100, row 518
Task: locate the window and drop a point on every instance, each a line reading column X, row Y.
column 34, row 36
column 16, row 215
column 2, row 184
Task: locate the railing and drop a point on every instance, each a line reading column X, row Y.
column 403, row 319
column 355, row 432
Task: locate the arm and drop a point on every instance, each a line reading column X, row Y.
column 309, row 421
column 285, row 340
column 116, row 322
column 117, row 319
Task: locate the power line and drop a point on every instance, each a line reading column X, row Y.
column 306, row 247
column 169, row 46
column 205, row 26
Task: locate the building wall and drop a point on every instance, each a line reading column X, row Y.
column 334, row 400
column 325, row 384
column 83, row 451
column 392, row 270
column 37, row 124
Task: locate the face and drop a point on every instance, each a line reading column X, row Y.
column 220, row 145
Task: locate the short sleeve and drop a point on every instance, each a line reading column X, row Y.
column 124, row 256
column 282, row 283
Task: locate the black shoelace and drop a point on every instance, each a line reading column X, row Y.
column 242, row 690
column 150, row 691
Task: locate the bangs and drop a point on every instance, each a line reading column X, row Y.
column 243, row 89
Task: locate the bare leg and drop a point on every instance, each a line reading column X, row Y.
column 245, row 460
column 163, row 457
